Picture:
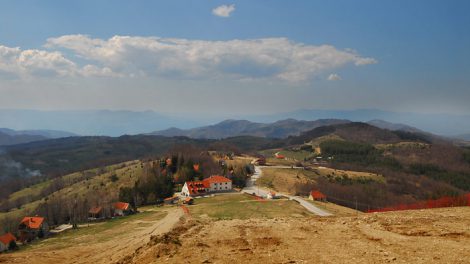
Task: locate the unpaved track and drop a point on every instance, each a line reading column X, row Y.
column 91, row 251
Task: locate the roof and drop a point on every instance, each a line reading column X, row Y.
column 7, row 238
column 95, row 210
column 217, row 179
column 171, row 198
column 197, row 187
column 33, row 222
column 188, row 199
column 121, row 206
column 317, row 195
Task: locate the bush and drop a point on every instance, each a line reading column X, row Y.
column 114, row 178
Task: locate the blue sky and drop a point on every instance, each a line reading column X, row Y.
column 266, row 56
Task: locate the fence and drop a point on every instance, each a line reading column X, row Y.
column 448, row 201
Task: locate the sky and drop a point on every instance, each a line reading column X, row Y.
column 236, row 57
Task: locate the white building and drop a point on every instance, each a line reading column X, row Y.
column 209, row 185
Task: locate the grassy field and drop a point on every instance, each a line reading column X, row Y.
column 244, row 206
column 287, row 180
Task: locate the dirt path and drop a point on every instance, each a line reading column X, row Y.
column 92, row 249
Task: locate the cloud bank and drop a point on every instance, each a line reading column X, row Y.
column 223, row 10
column 172, row 58
column 277, row 58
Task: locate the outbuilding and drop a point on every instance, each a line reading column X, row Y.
column 7, row 241
column 317, row 196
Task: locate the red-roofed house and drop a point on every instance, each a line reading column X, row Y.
column 122, row 209
column 32, row 227
column 5, row 241
column 317, row 196
column 214, row 183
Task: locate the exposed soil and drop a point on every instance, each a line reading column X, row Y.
column 425, row 236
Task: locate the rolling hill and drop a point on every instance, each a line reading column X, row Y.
column 6, row 139
column 12, row 137
column 233, row 128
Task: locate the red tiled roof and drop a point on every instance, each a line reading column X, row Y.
column 317, row 195
column 197, row 187
column 95, row 210
column 121, row 206
column 7, row 238
column 216, row 179
column 33, row 222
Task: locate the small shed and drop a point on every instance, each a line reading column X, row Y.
column 96, row 213
column 317, row 196
column 6, row 241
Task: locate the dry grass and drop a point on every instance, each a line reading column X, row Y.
column 428, row 236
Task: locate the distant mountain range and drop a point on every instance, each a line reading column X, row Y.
column 233, row 128
column 278, row 129
column 116, row 123
column 12, row 137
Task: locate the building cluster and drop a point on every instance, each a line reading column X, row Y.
column 34, row 227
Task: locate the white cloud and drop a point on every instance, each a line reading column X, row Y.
column 34, row 62
column 40, row 63
column 334, row 77
column 223, row 10
column 268, row 58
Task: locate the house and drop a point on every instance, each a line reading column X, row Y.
column 212, row 184
column 96, row 213
column 317, row 196
column 271, row 195
column 171, row 200
column 5, row 242
column 32, row 227
column 122, row 209
column 279, row 156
